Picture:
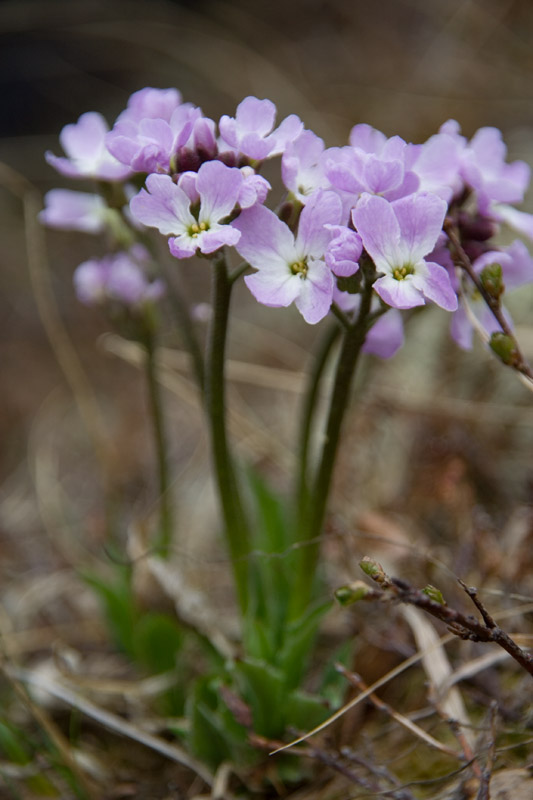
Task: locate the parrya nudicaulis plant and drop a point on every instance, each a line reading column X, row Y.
column 362, row 234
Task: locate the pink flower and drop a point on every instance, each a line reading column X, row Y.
column 251, row 131
column 167, row 207
column 87, row 155
column 75, row 211
column 291, row 269
column 397, row 236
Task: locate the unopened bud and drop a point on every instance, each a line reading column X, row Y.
column 505, row 348
column 374, row 570
column 352, row 593
column 492, row 280
column 434, row 594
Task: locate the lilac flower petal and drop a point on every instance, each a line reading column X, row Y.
column 85, row 138
column 218, row 187
column 273, row 289
column 376, row 223
column 386, row 335
column 256, row 115
column 126, row 283
column 409, row 185
column 164, row 206
column 380, row 176
column 399, row 294
column 324, row 208
column 254, row 188
column 316, row 293
column 519, row 221
column 187, row 182
column 182, row 246
column 302, row 165
column 76, row 211
column 518, row 270
column 287, row 132
column 214, row 239
column 266, row 242
column 151, row 103
column 344, row 167
column 434, row 281
column 255, row 146
column 367, row 138
column 89, row 282
column 420, row 218
column 461, row 329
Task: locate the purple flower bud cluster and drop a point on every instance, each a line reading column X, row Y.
column 380, row 199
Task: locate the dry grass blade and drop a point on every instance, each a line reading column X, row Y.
column 402, row 720
column 111, row 721
column 438, row 669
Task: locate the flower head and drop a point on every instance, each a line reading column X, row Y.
column 150, row 144
column 397, row 236
column 75, row 211
column 197, row 222
column 291, row 269
column 303, row 166
column 116, row 278
column 87, row 155
column 251, row 130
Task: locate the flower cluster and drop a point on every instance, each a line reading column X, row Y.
column 377, row 211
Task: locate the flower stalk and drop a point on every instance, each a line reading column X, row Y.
column 235, row 527
column 314, row 502
column 166, row 521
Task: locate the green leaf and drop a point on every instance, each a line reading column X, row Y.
column 305, row 711
column 270, row 567
column 214, row 735
column 263, row 688
column 12, row 745
column 119, row 605
column 157, row 641
column 299, row 639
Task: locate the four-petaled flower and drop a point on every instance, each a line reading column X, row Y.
column 291, row 269
column 250, row 132
column 195, row 223
column 397, row 236
column 84, row 142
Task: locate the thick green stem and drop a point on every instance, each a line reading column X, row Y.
column 308, row 410
column 313, row 511
column 235, row 527
column 164, row 538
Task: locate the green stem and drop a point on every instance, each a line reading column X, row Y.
column 308, row 410
column 234, row 521
column 313, row 512
column 156, row 411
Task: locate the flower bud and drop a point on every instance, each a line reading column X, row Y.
column 434, row 594
column 374, row 570
column 352, row 593
column 505, row 348
column 492, row 280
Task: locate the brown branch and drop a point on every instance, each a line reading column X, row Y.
column 465, row 626
column 463, row 261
